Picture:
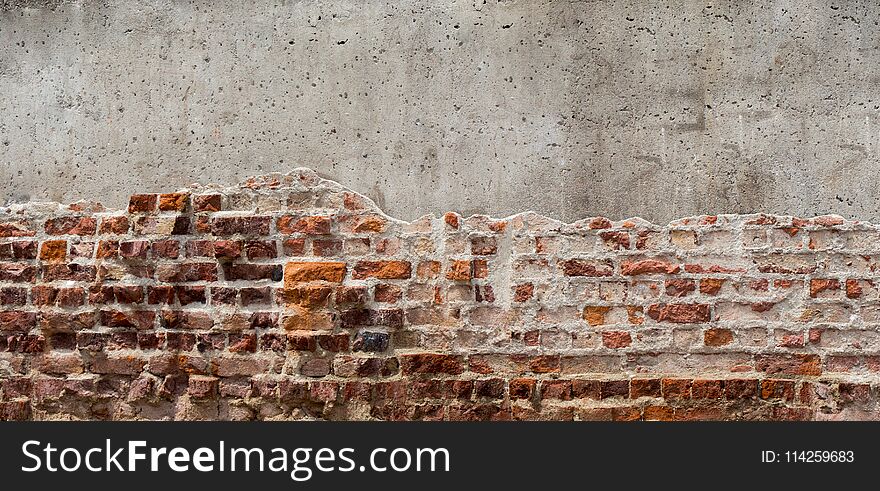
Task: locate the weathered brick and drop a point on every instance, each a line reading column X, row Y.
column 679, row 313
column 648, row 266
column 586, row 267
column 13, row 296
column 173, row 201
column 241, row 225
column 385, row 270
column 261, row 249
column 363, row 224
column 680, row 288
column 166, row 249
column 299, row 272
column 717, row 337
column 134, row 249
column 640, row 387
column 17, row 272
column 459, row 271
column 71, row 225
column 616, row 339
column 430, row 363
column 227, row 249
column 69, row 272
column 203, row 387
column 817, row 286
column 117, row 225
column 53, row 250
column 17, row 321
column 142, row 203
column 16, row 229
column 207, row 202
column 484, row 246
column 790, row 364
column 309, row 225
column 185, row 272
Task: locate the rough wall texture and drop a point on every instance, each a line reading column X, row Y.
column 568, row 108
column 293, row 297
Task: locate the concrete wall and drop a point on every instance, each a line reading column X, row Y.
column 572, row 109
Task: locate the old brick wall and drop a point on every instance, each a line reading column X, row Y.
column 292, row 297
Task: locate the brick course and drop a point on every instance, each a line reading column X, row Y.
column 291, row 297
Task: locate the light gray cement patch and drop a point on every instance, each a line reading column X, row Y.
column 569, row 108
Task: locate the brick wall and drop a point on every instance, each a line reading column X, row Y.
column 292, row 297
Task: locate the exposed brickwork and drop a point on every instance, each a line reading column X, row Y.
column 292, row 297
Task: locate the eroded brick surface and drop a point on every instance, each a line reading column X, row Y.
column 290, row 297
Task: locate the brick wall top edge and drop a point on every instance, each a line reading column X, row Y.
column 262, row 189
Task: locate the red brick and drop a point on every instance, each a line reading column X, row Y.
column 114, row 225
column 431, row 363
column 648, row 266
column 202, row 387
column 18, row 321
column 459, row 271
column 385, row 293
column 616, row 339
column 310, row 225
column 717, row 337
column 556, row 389
column 227, row 249
column 293, row 247
column 853, row 289
column 53, row 250
column 252, row 272
column 173, row 201
column 600, row 223
column 360, row 224
column 207, row 202
column 484, row 246
column 142, row 203
column 17, row 272
column 707, row 389
column 818, row 286
column 659, row 413
column 298, row 272
column 614, row 388
column 586, row 267
column 261, row 249
column 616, row 240
column 12, row 229
column 676, row 388
column 679, row 313
column 185, row 272
column 71, row 225
column 68, row 272
column 680, row 288
column 778, row 389
column 740, row 388
column 385, row 270
column 241, row 225
column 166, row 249
column 134, row 249
column 452, row 220
column 711, row 286
column 524, row 292
column 522, row 388
column 640, row 387
column 790, row 364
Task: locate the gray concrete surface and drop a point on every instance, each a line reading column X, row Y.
column 569, row 108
